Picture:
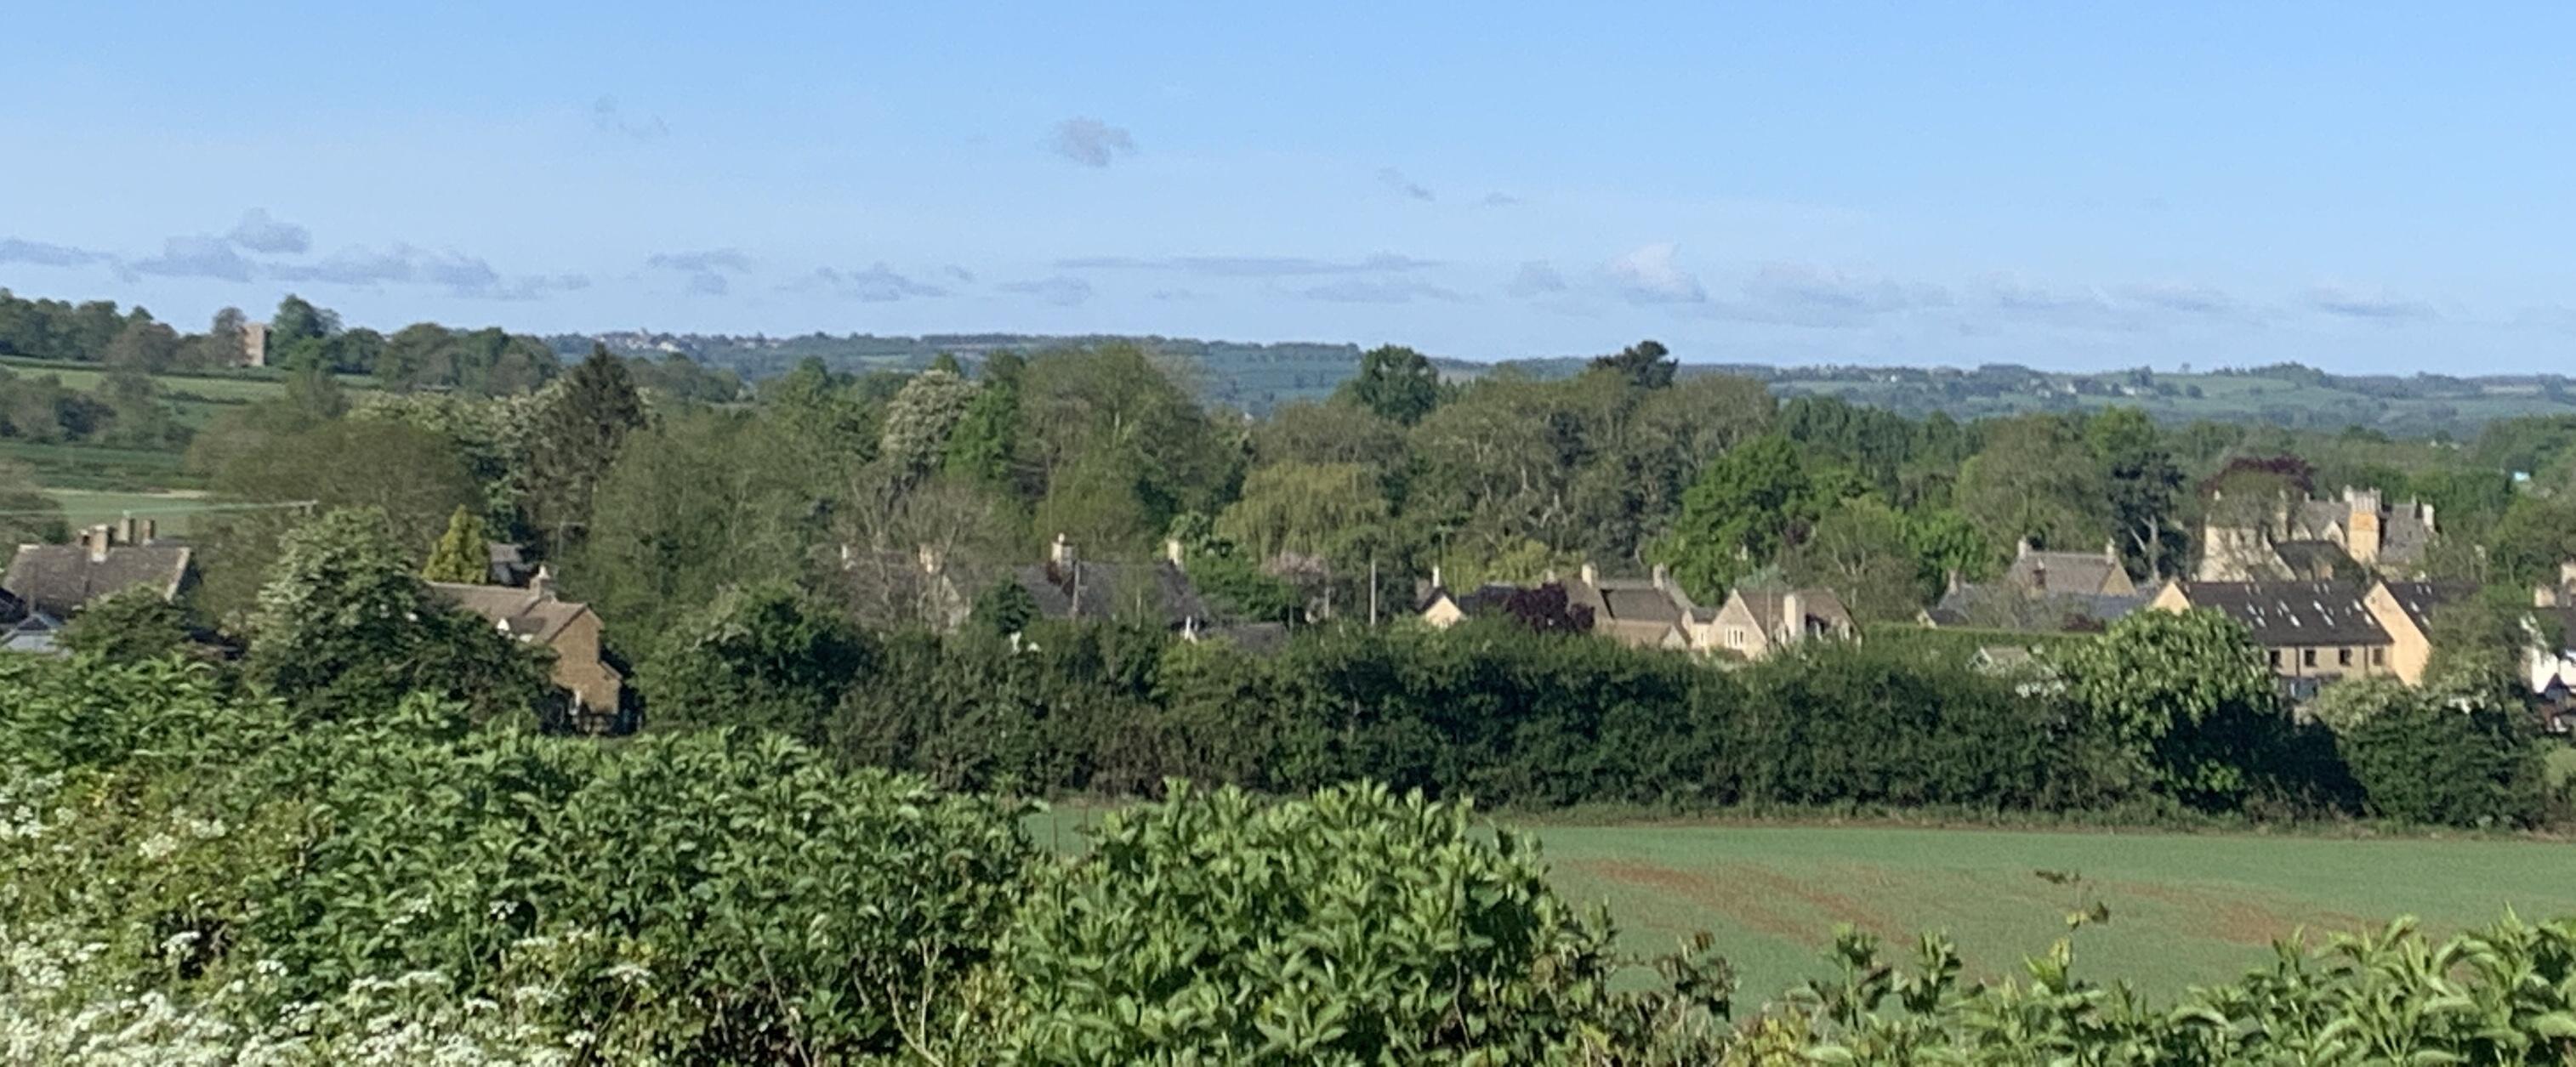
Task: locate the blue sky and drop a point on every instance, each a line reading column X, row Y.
column 2373, row 187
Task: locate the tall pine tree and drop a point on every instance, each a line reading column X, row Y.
column 462, row 555
column 577, row 437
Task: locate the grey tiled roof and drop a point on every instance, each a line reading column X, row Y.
column 2293, row 613
column 59, row 579
column 1110, row 590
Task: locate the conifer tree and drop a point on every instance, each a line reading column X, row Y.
column 461, row 555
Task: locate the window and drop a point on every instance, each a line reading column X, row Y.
column 1735, row 637
column 2276, row 659
column 2307, row 657
column 2378, row 657
column 2343, row 657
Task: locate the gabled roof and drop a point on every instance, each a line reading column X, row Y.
column 2001, row 607
column 2420, row 599
column 2070, row 572
column 526, row 613
column 59, row 579
column 1109, row 589
column 1820, row 606
column 2282, row 614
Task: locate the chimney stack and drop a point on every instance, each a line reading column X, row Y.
column 151, row 531
column 1172, row 551
column 1435, row 577
column 543, row 584
column 1663, row 577
column 98, row 539
column 1589, row 574
column 1061, row 552
column 125, row 531
column 2021, row 548
column 1793, row 616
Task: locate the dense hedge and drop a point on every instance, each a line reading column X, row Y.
column 1503, row 715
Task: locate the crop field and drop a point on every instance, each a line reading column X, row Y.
column 2185, row 908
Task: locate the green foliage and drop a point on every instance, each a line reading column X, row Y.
column 1394, row 383
column 2189, row 704
column 763, row 655
column 1004, row 608
column 1646, row 365
column 2419, row 758
column 1353, row 927
column 27, row 516
column 343, row 629
column 715, row 898
column 575, row 440
column 1303, row 509
column 922, row 417
column 463, row 553
column 2035, row 479
column 1745, row 507
column 132, row 626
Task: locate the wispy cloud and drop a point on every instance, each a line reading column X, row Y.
column 258, row 232
column 707, row 271
column 710, row 259
column 876, row 284
column 1379, row 291
column 1406, row 187
column 2379, row 305
column 607, row 116
column 1649, row 274
column 1091, row 142
column 402, row 264
column 1804, row 294
column 197, row 257
column 1061, row 290
column 2177, row 296
column 1499, row 200
column 41, row 254
column 1535, row 278
column 1251, row 266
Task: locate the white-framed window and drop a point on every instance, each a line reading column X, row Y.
column 1735, row 637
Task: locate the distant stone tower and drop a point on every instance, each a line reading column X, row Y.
column 254, row 345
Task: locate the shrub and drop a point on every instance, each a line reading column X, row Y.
column 1357, row 926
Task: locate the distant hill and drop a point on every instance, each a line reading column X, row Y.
column 1258, row 377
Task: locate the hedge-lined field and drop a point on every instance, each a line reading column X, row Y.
column 2185, row 908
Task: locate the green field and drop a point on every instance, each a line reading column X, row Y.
column 2184, row 908
column 170, row 511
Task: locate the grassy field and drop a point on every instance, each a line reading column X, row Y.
column 170, row 511
column 2184, row 908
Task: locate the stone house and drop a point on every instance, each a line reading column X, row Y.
column 2043, row 591
column 572, row 630
column 1650, row 612
column 2313, row 633
column 1756, row 623
column 2357, row 536
column 58, row 580
column 2037, row 572
column 1067, row 586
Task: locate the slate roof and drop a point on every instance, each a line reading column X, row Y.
column 1980, row 604
column 523, row 612
column 1109, row 590
column 2285, row 614
column 2404, row 535
column 59, row 579
column 2420, row 599
column 2071, row 572
column 507, row 563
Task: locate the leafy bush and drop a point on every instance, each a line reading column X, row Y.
column 716, row 897
column 1354, row 927
column 2419, row 760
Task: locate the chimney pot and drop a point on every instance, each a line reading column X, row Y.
column 1590, row 575
column 1663, row 577
column 1172, row 551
